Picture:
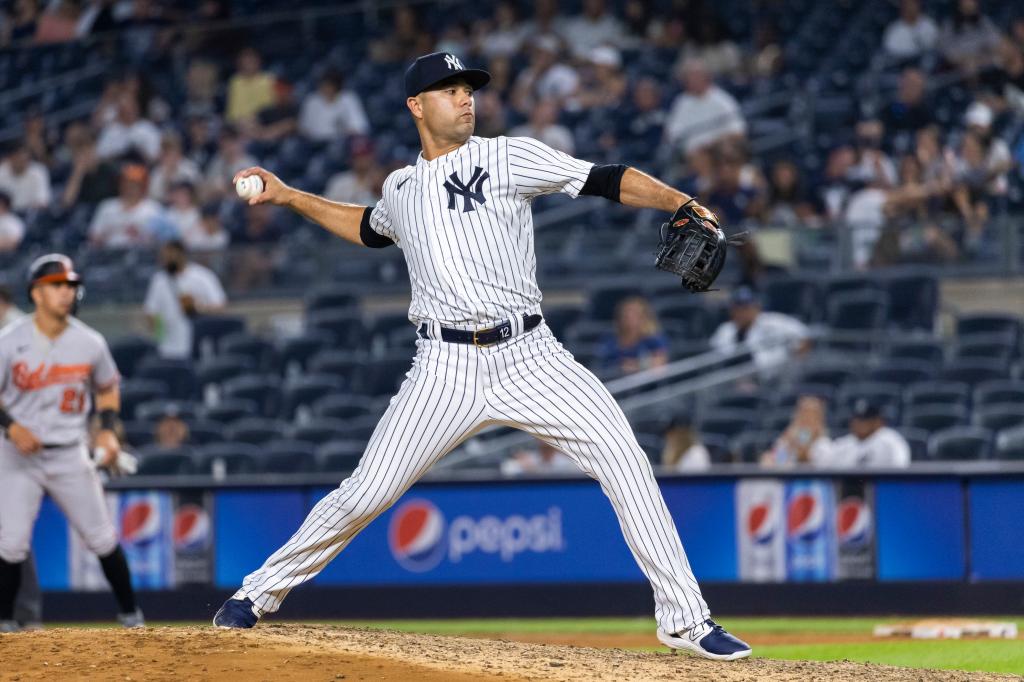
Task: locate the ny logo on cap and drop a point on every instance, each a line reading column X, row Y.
column 455, row 186
column 453, row 63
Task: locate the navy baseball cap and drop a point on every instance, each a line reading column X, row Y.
column 431, row 69
column 744, row 295
column 866, row 409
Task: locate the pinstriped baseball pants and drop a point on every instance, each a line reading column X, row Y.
column 452, row 391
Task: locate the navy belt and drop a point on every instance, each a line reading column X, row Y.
column 482, row 337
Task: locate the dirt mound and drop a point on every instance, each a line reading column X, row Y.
column 279, row 653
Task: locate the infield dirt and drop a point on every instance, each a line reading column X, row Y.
column 283, row 652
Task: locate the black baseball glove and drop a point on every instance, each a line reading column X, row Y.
column 692, row 246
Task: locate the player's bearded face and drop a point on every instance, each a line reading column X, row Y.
column 449, row 111
column 55, row 298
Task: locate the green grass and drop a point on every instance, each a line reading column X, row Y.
column 996, row 656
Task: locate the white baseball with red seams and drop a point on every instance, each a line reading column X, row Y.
column 464, row 222
column 249, row 186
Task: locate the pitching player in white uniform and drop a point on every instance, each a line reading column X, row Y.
column 51, row 364
column 462, row 216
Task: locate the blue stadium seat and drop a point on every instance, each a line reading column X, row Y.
column 961, row 443
column 343, row 364
column 296, row 352
column 235, row 458
column 205, row 431
column 917, row 439
column 937, row 393
column 288, row 457
column 692, row 319
column 134, row 392
column 727, row 423
column 987, row 345
column 382, row 376
column 926, row 349
column 750, row 445
column 999, row 416
column 320, row 430
column 208, row 329
column 128, row 351
column 302, row 392
column 990, row 322
column 158, row 462
column 345, row 325
column 560, row 319
column 153, row 410
column 975, row 371
column 230, row 410
column 138, row 434
column 260, row 352
column 857, row 311
column 603, row 301
column 913, row 300
column 343, row 406
column 718, row 446
column 794, row 296
column 178, row 375
column 255, row 430
column 903, row 371
column 840, row 285
column 340, row 456
column 1010, row 444
column 735, row 400
column 828, row 373
column 216, row 370
column 263, row 389
column 935, row 417
column 999, row 391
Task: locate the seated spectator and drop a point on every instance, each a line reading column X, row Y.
column 200, row 143
column 971, row 188
column 25, row 181
column 969, row 38
column 638, row 342
column 9, row 311
column 201, row 85
column 805, row 440
column 404, row 41
column 870, row 443
column 872, row 165
column 12, row 227
column 998, row 158
column 912, row 35
column 504, row 34
column 208, row 234
column 92, row 179
column 280, row 119
column 172, row 168
column 231, row 157
column 249, row 89
column 131, row 218
column 594, row 27
column 170, row 432
column 603, row 85
column 711, row 46
column 788, row 201
column 129, row 135
column 643, row 123
column 683, row 451
column 59, row 23
column 39, row 138
column 836, row 186
column 182, row 210
column 332, row 112
column 178, row 292
column 704, row 113
column 543, row 125
column 546, row 77
column 735, row 194
column 254, row 255
column 362, row 182
column 771, row 338
column 543, row 458
column 910, row 111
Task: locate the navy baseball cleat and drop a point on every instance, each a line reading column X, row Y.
column 236, row 613
column 707, row 639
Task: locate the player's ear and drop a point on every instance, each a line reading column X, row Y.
column 415, row 106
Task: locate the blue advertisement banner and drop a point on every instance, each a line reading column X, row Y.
column 920, row 527
column 705, row 515
column 997, row 540
column 249, row 526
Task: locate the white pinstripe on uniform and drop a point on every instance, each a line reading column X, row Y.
column 469, row 248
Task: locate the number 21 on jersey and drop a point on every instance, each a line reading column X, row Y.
column 73, row 400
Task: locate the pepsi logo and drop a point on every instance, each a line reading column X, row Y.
column 140, row 522
column 191, row 528
column 416, row 536
column 805, row 515
column 761, row 522
column 853, row 522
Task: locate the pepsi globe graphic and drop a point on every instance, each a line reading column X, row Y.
column 140, row 522
column 805, row 517
column 416, row 536
column 191, row 528
column 853, row 522
column 761, row 523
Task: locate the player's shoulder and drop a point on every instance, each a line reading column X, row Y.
column 16, row 329
column 396, row 178
column 85, row 332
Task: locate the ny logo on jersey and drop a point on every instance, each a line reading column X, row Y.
column 455, row 186
column 453, row 63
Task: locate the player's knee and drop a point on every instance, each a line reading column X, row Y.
column 14, row 552
column 101, row 542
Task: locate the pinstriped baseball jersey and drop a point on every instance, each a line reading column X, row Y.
column 465, row 225
column 47, row 384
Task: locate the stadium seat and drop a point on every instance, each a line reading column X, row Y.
column 1010, row 444
column 794, row 296
column 999, row 416
column 340, row 456
column 750, row 445
column 961, row 443
column 559, row 319
column 134, row 392
column 874, row 391
column 263, row 389
column 178, row 375
column 382, row 376
column 603, row 301
column 999, row 391
column 937, row 393
column 988, row 323
column 320, row 430
column 975, row 371
column 692, row 319
column 260, row 352
column 990, row 345
column 903, row 371
column 288, row 457
column 138, row 434
column 157, row 462
column 927, row 350
column 343, row 364
column 208, row 329
column 737, row 401
column 128, row 351
column 913, row 300
column 788, row 397
column 343, row 406
column 153, row 410
column 255, row 430
column 301, row 392
column 727, row 423
column 230, row 410
column 917, row 439
column 205, row 431
column 841, row 285
column 383, row 326
column 330, row 299
column 827, row 373
column 935, row 417
column 216, row 370
column 344, row 325
column 857, row 311
column 718, row 448
column 234, row 458
column 296, row 352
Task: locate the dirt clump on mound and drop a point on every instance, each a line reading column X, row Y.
column 285, row 652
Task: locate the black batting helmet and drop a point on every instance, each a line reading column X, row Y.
column 53, row 267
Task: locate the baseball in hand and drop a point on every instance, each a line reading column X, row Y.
column 249, row 186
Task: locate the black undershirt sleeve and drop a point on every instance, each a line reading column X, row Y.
column 604, row 181
column 368, row 236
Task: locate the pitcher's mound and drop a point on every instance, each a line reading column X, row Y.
column 283, row 652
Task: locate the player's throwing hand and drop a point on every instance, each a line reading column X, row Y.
column 23, row 439
column 274, row 191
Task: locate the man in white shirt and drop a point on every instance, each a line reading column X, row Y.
column 593, row 28
column 12, row 227
column 176, row 294
column 130, row 218
column 361, row 183
column 543, row 125
column 704, row 114
column 770, row 337
column 870, row 443
column 332, row 112
column 912, row 35
column 27, row 182
column 129, row 133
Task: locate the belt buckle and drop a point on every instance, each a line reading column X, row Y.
column 481, row 345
